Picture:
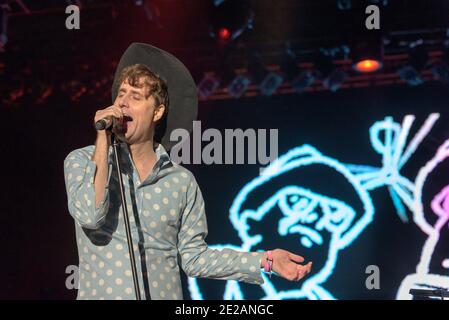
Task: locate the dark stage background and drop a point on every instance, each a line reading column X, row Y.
column 52, row 81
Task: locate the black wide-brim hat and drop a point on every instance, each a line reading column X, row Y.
column 182, row 91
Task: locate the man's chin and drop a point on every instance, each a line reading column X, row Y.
column 125, row 138
column 121, row 136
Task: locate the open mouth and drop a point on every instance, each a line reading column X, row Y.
column 127, row 118
column 123, row 124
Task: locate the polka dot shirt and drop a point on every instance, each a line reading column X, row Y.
column 168, row 226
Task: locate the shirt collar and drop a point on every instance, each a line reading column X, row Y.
column 162, row 160
column 162, row 154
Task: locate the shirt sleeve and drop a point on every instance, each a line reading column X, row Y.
column 79, row 172
column 199, row 261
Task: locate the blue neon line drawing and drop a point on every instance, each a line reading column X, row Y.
column 321, row 220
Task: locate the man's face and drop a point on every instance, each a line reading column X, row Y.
column 140, row 113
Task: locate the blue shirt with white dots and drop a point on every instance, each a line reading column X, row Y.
column 168, row 226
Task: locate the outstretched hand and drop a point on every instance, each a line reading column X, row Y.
column 287, row 265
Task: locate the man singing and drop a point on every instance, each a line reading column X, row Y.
column 166, row 208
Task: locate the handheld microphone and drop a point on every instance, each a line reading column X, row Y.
column 105, row 123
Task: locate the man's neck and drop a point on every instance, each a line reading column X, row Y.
column 142, row 153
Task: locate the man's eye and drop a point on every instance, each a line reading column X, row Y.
column 136, row 97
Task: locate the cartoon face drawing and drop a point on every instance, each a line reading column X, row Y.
column 291, row 206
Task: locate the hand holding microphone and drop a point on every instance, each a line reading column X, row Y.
column 105, row 123
column 107, row 118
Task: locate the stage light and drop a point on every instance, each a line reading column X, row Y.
column 418, row 60
column 368, row 65
column 230, row 19
column 224, row 34
column 367, row 54
column 270, row 84
column 410, row 75
column 208, row 85
column 266, row 81
column 441, row 72
column 334, row 81
column 43, row 93
column 298, row 78
column 238, row 86
column 236, row 81
column 74, row 89
column 303, row 80
column 331, row 76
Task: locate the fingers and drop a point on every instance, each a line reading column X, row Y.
column 295, row 258
column 306, row 268
column 309, row 265
column 112, row 111
column 116, row 112
column 295, row 272
column 302, row 271
column 288, row 265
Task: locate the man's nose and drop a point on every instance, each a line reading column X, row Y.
column 123, row 103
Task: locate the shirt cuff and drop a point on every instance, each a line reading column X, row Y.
column 251, row 267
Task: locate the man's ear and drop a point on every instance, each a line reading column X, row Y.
column 158, row 113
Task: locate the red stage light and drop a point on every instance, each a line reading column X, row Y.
column 224, row 34
column 368, row 65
